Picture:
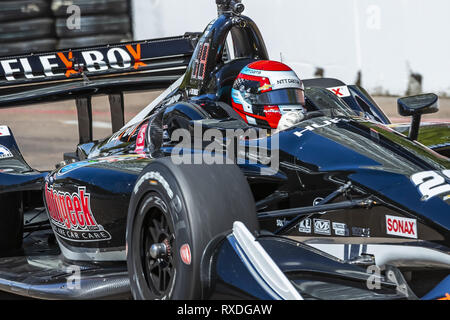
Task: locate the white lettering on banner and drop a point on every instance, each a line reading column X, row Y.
column 94, row 61
column 113, row 59
column 48, row 66
column 9, row 70
column 27, row 69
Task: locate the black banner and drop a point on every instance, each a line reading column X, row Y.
column 132, row 57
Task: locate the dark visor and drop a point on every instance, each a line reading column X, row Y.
column 281, row 97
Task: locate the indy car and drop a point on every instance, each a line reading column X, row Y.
column 340, row 206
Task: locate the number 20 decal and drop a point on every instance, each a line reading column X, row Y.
column 431, row 183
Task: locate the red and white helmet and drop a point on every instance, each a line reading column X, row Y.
column 264, row 91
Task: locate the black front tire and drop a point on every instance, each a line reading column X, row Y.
column 192, row 205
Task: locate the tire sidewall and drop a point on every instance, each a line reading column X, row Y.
column 186, row 284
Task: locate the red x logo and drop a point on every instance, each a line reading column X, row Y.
column 337, row 92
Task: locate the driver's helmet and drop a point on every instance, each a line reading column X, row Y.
column 264, row 91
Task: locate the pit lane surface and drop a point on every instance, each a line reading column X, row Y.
column 45, row 131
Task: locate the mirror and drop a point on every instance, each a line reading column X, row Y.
column 416, row 106
column 422, row 104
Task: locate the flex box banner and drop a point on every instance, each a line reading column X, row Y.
column 104, row 60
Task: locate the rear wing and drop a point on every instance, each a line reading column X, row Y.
column 80, row 74
column 126, row 66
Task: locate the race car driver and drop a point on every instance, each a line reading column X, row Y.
column 269, row 94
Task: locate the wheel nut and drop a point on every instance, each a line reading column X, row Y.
column 158, row 250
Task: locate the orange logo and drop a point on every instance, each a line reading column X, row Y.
column 68, row 63
column 136, row 55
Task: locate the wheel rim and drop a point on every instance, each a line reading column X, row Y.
column 159, row 271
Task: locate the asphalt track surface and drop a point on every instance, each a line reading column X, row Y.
column 45, row 131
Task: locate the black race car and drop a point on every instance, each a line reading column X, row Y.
column 340, row 206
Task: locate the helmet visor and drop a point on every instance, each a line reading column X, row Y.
column 281, row 97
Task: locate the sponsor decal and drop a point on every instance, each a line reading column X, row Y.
column 431, row 184
column 281, row 223
column 322, row 227
column 70, row 63
column 402, row 227
column 315, row 126
column 200, row 63
column 250, row 71
column 340, row 229
column 272, row 110
column 194, row 92
column 185, row 254
column 265, row 87
column 288, row 81
column 5, row 153
column 361, row 232
column 140, row 140
column 4, row 131
column 305, row 226
column 71, row 216
column 341, row 92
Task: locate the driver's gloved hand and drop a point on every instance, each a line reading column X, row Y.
column 290, row 119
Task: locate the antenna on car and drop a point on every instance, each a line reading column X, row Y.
column 230, row 6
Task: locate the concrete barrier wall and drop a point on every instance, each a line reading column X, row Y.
column 386, row 40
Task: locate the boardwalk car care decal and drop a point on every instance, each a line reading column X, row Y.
column 71, row 216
